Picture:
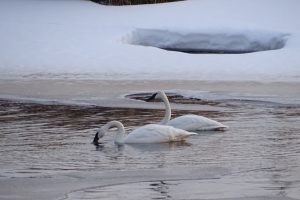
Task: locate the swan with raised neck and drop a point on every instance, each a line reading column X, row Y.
column 187, row 122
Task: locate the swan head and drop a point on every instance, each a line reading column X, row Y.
column 160, row 94
column 152, row 98
column 99, row 134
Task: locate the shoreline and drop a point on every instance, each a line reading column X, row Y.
column 111, row 93
column 60, row 186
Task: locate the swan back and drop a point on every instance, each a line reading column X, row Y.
column 196, row 123
column 155, row 133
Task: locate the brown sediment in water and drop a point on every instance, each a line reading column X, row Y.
column 82, row 117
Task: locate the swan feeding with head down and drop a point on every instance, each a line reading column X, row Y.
column 151, row 133
column 187, row 122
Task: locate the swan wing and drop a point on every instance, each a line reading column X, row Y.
column 154, row 133
column 195, row 123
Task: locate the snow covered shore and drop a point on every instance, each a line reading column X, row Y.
column 76, row 37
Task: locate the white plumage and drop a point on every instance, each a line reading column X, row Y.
column 152, row 133
column 188, row 122
column 195, row 123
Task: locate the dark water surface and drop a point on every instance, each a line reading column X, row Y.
column 257, row 158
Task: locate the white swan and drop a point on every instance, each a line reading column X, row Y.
column 187, row 122
column 152, row 133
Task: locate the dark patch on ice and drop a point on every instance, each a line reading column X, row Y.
column 228, row 101
column 173, row 98
column 207, row 51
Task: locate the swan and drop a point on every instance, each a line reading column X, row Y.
column 151, row 133
column 187, row 122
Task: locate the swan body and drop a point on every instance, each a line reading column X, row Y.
column 152, row 133
column 187, row 122
column 195, row 123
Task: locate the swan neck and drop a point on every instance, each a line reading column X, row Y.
column 120, row 136
column 167, row 116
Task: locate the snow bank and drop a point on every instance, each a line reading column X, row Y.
column 219, row 42
column 73, row 38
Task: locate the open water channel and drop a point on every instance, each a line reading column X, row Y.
column 46, row 152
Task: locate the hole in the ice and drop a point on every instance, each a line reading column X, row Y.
column 231, row 42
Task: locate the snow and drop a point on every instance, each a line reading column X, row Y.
column 78, row 38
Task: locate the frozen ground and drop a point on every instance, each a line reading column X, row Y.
column 79, row 37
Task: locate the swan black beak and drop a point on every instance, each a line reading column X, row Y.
column 152, row 97
column 99, row 134
column 96, row 139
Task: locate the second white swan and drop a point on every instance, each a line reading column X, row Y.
column 187, row 122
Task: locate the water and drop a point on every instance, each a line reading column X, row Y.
column 257, row 158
